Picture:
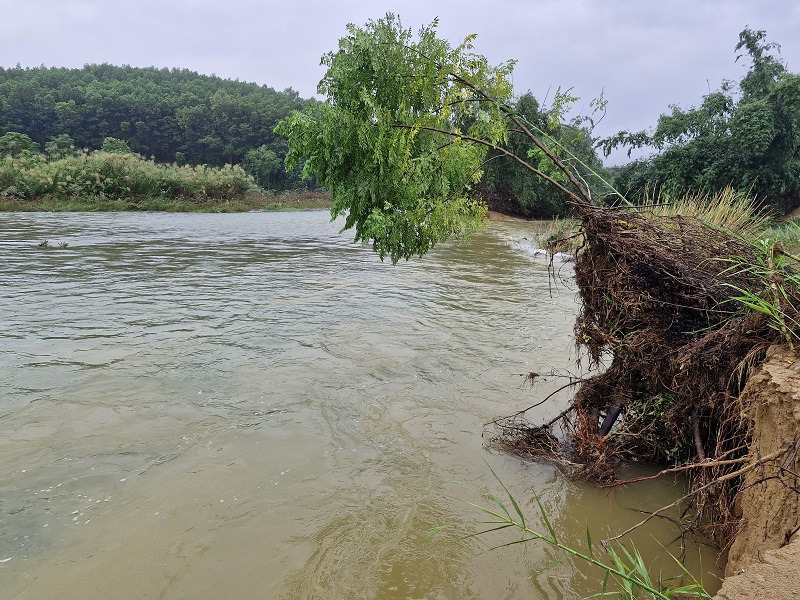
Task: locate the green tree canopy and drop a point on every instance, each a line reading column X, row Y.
column 60, row 146
column 170, row 114
column 749, row 141
column 267, row 167
column 115, row 146
column 571, row 142
column 14, row 143
column 403, row 135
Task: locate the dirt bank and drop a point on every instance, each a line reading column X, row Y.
column 764, row 559
column 776, row 577
column 498, row 216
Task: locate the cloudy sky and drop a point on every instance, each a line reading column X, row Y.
column 643, row 54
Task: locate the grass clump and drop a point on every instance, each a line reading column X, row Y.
column 109, row 181
column 728, row 210
column 557, row 236
column 111, row 175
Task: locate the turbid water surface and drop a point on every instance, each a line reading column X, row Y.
column 250, row 406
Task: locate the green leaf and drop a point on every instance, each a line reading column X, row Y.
column 547, row 521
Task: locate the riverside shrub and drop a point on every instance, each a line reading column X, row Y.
column 115, row 176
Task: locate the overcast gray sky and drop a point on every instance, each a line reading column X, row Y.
column 644, row 55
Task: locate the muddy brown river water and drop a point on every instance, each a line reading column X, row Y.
column 250, row 406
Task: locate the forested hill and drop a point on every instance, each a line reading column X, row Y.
column 170, row 114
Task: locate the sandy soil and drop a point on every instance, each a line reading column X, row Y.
column 762, row 562
column 496, row 216
column 777, row 577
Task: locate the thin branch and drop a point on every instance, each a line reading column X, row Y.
column 560, row 416
column 468, row 138
column 716, row 481
column 521, row 412
column 584, row 199
column 681, row 469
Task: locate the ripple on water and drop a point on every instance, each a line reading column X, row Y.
column 246, row 405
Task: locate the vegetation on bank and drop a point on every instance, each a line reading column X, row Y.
column 744, row 136
column 176, row 116
column 290, row 200
column 114, row 180
column 172, row 115
column 413, row 135
column 507, row 185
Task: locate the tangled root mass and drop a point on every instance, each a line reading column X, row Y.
column 661, row 308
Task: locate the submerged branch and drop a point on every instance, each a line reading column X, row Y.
column 732, row 475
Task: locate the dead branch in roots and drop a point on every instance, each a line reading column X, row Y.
column 732, row 475
column 682, row 469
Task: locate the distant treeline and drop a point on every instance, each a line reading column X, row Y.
column 179, row 116
column 172, row 115
column 747, row 139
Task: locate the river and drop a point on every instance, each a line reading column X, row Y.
column 250, row 406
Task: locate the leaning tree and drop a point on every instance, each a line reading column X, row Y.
column 670, row 303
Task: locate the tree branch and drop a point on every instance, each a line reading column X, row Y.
column 468, row 138
column 716, row 481
column 584, row 196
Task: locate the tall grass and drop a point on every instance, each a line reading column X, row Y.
column 558, row 235
column 727, row 209
column 117, row 181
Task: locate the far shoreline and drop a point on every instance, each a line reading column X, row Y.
column 290, row 200
column 287, row 201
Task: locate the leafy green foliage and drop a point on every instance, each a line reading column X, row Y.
column 167, row 114
column 572, row 143
column 60, row 146
column 751, row 144
column 404, row 133
column 266, row 165
column 392, row 139
column 777, row 298
column 113, row 176
column 113, row 145
column 15, row 144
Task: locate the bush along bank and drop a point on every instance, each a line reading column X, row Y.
column 118, row 181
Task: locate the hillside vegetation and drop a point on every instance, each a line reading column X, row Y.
column 171, row 115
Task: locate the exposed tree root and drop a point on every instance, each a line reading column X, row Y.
column 662, row 298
